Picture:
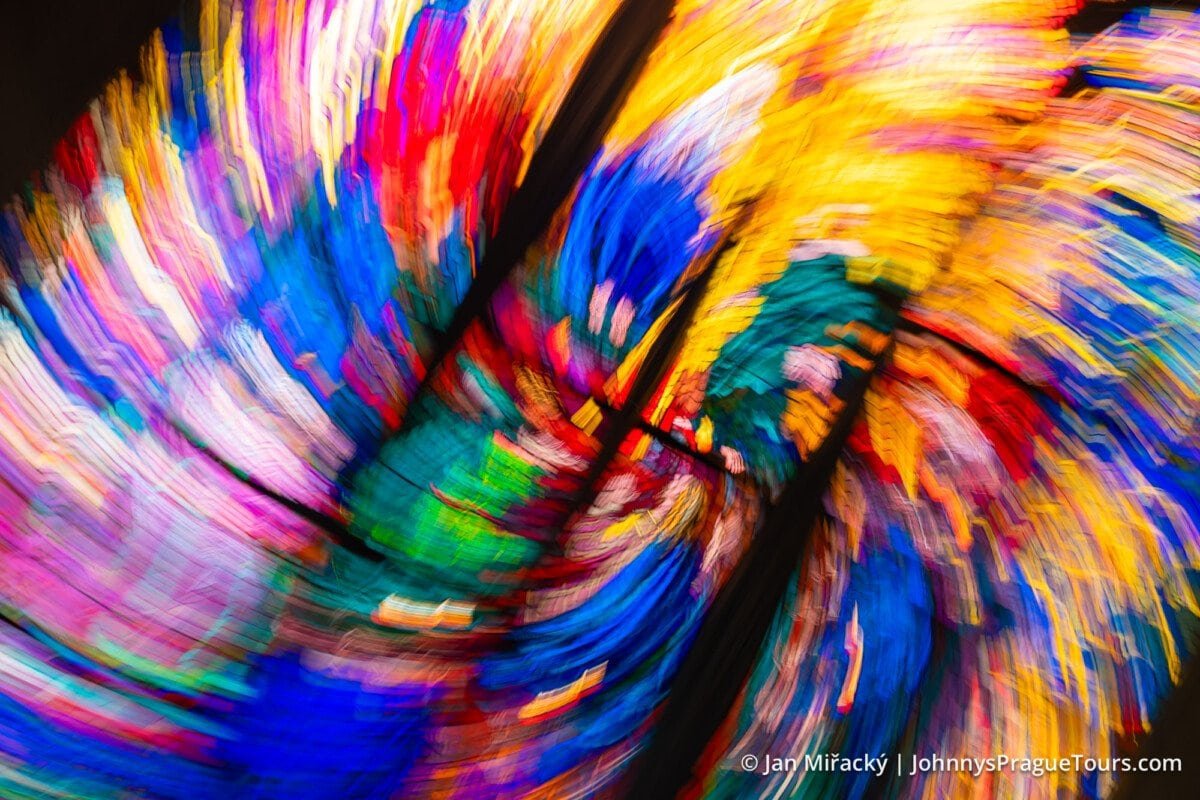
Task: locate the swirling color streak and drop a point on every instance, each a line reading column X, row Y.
column 231, row 284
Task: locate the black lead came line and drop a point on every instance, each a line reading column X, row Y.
column 734, row 629
column 600, row 87
column 732, row 633
column 571, row 141
column 659, row 358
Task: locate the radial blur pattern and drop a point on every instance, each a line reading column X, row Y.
column 606, row 398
